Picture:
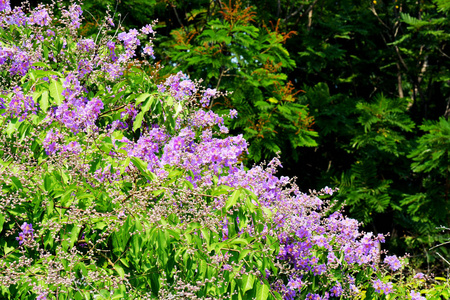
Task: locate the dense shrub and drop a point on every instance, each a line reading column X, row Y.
column 119, row 184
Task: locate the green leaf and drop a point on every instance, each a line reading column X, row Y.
column 247, row 282
column 138, row 121
column 41, row 64
column 2, row 221
column 232, row 200
column 17, row 183
column 147, row 104
column 140, row 164
column 141, row 98
column 262, row 291
column 43, row 102
column 56, row 90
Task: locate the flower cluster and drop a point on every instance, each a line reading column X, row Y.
column 416, row 296
column 393, row 262
column 39, row 17
column 15, row 60
column 21, row 105
column 179, row 86
column 381, row 287
column 5, row 5
column 74, row 14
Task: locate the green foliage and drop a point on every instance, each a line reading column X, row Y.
column 429, row 207
column 432, row 151
column 230, row 52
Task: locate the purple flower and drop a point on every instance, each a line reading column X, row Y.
column 336, row 290
column 225, row 230
column 147, row 29
column 21, row 238
column 419, row 276
column 267, row 273
column 129, row 39
column 42, row 296
column 4, row 5
column 233, row 113
column 149, row 51
column 207, row 95
column 110, row 21
column 74, row 14
column 319, row 269
column 393, row 262
column 26, row 234
column 39, row 16
column 328, row 190
column 21, row 105
column 311, row 296
column 52, row 141
column 295, row 284
column 27, row 228
column 73, row 147
column 180, row 86
column 416, row 296
column 379, row 287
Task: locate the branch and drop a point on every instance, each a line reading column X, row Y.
column 278, row 8
column 372, row 9
column 178, row 18
column 115, row 109
column 293, row 14
column 445, row 55
column 443, row 258
column 440, row 245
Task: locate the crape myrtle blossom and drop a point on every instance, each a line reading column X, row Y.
column 129, row 112
column 15, row 60
column 148, row 49
column 21, row 105
column 81, row 115
column 130, row 39
column 147, row 29
column 233, row 113
column 4, row 5
column 381, row 287
column 416, row 296
column 207, row 95
column 179, row 86
column 74, row 14
column 27, row 233
column 39, row 16
column 86, row 45
column 54, row 142
column 105, row 174
column 393, row 262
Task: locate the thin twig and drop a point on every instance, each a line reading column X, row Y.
column 443, row 258
column 440, row 245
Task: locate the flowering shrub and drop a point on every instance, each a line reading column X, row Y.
column 127, row 188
